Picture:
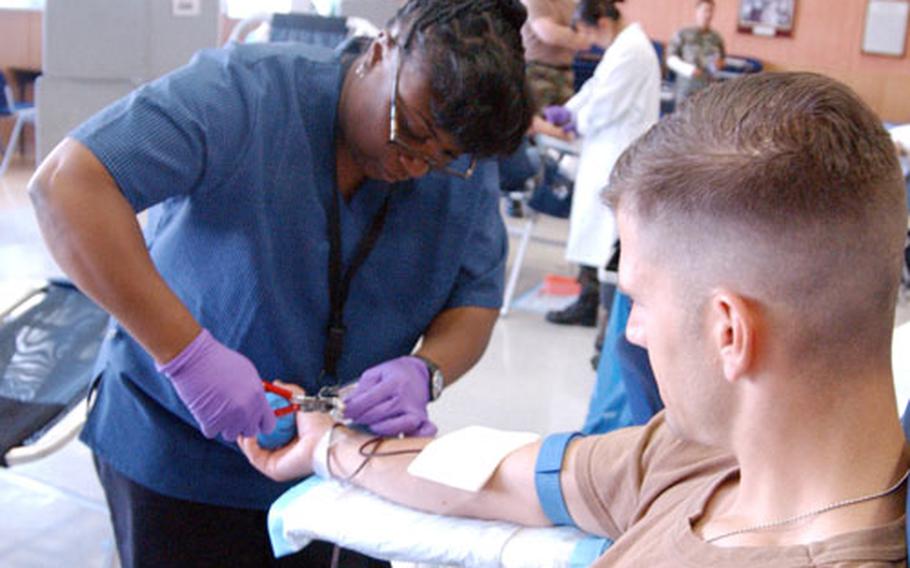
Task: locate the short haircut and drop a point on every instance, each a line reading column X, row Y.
column 700, row 2
column 471, row 50
column 792, row 185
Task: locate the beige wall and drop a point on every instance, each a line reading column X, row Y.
column 20, row 46
column 826, row 38
column 20, row 39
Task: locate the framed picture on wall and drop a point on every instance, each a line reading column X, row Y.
column 766, row 17
column 885, row 30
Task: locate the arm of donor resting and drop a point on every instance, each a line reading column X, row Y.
column 509, row 495
column 92, row 233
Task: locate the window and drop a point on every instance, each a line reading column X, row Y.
column 240, row 9
column 22, row 4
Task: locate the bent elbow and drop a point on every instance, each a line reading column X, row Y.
column 41, row 185
column 57, row 173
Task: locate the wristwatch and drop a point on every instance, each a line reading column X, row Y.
column 437, row 380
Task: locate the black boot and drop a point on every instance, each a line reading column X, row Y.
column 582, row 311
column 515, row 208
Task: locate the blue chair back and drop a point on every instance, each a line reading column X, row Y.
column 742, row 65
column 659, row 49
column 5, row 103
column 584, row 64
column 310, row 29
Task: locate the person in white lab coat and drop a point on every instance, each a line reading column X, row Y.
column 613, row 108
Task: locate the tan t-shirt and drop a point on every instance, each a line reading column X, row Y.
column 646, row 487
column 560, row 11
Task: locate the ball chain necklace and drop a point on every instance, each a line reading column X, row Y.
column 802, row 516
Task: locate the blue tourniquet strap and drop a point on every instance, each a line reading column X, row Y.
column 546, row 477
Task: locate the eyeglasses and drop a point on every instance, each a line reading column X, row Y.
column 447, row 165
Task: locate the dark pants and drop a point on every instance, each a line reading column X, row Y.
column 154, row 530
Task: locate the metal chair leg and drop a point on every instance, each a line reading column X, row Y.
column 11, row 144
column 525, row 235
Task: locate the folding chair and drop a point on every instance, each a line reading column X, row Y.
column 24, row 113
column 559, row 149
column 738, row 65
column 308, row 28
column 48, row 344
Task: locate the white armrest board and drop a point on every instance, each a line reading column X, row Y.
column 349, row 516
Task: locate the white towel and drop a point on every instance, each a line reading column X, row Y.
column 356, row 519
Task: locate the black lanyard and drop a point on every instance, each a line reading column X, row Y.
column 339, row 284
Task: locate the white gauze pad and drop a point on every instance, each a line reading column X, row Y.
column 467, row 458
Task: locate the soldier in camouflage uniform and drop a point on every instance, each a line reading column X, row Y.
column 550, row 43
column 696, row 53
column 549, row 85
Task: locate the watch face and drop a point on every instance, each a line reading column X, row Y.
column 438, row 384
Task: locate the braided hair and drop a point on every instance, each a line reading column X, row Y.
column 472, row 54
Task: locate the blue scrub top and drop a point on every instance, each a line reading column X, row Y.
column 234, row 153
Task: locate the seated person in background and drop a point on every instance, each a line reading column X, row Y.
column 763, row 263
column 550, row 44
column 696, row 53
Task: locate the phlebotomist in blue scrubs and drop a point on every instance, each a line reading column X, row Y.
column 311, row 217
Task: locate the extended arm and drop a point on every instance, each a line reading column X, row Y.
column 509, row 495
column 93, row 234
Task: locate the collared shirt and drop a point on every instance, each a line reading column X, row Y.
column 234, row 154
column 646, row 488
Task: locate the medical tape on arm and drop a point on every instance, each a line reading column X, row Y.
column 547, row 471
column 321, row 453
column 466, row 459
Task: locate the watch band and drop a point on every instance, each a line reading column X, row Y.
column 433, row 372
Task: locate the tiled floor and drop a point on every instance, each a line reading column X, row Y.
column 534, row 376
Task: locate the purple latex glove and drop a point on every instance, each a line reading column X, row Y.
column 558, row 116
column 221, row 388
column 391, row 398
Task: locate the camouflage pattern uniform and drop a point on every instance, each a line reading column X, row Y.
column 549, row 85
column 702, row 48
column 548, row 67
